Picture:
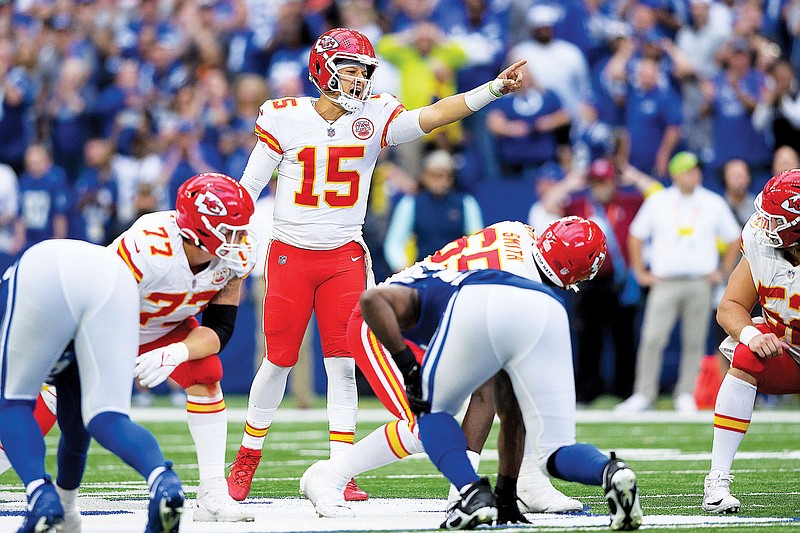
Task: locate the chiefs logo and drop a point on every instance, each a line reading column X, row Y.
column 208, row 203
column 326, row 42
column 221, row 276
column 363, row 128
column 792, row 204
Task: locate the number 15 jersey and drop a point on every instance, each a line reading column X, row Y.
column 324, row 168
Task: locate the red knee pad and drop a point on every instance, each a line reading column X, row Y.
column 205, row 371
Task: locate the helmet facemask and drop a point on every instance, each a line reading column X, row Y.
column 360, row 87
column 769, row 228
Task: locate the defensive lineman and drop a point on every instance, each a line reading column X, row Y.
column 475, row 324
column 83, row 293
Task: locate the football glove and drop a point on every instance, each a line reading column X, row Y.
column 155, row 366
column 413, row 381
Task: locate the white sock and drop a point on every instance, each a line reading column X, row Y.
column 475, row 461
column 208, row 424
column 68, row 497
column 385, row 445
column 266, row 394
column 732, row 414
column 342, row 402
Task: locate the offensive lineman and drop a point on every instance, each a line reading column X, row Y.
column 766, row 357
column 186, row 261
column 324, row 150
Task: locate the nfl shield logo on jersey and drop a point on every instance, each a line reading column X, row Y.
column 281, row 259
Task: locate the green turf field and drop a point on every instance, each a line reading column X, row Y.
column 670, row 459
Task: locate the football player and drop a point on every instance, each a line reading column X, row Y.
column 764, row 351
column 479, row 322
column 324, row 151
column 87, row 299
column 509, row 246
column 187, row 261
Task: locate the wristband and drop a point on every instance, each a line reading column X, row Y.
column 405, row 361
column 485, row 94
column 747, row 334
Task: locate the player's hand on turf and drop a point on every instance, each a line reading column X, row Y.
column 155, row 366
column 413, row 379
column 508, row 511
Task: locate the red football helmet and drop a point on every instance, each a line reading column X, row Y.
column 777, row 218
column 331, row 49
column 570, row 250
column 213, row 213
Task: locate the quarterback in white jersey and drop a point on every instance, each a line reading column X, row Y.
column 509, row 246
column 187, row 261
column 764, row 351
column 324, row 151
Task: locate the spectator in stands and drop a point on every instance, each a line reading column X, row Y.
column 185, row 156
column 652, row 120
column 43, row 197
column 730, row 99
column 482, row 28
column 437, row 214
column 95, row 194
column 427, row 60
column 69, row 109
column 18, row 96
column 778, row 109
column 12, row 230
column 681, row 225
column 120, row 102
column 736, row 182
column 785, row 158
column 524, row 127
column 556, row 64
column 700, row 42
column 554, row 184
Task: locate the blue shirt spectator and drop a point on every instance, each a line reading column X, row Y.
column 96, row 195
column 44, row 197
column 653, row 118
column 18, row 95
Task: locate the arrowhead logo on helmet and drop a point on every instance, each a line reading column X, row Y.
column 570, row 250
column 209, row 203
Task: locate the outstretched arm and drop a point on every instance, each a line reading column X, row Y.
column 454, row 108
column 387, row 310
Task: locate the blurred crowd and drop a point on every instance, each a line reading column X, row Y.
column 108, row 105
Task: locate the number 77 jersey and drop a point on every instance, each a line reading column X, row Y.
column 324, row 169
column 169, row 292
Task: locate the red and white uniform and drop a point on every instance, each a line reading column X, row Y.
column 501, row 246
column 170, row 294
column 317, row 259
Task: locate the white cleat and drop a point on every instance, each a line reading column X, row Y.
column 214, row 504
column 319, row 486
column 717, row 494
column 637, row 403
column 538, row 495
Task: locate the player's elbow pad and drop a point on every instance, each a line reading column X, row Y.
column 221, row 318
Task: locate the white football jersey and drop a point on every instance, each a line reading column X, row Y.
column 325, row 169
column 778, row 285
column 501, row 246
column 169, row 292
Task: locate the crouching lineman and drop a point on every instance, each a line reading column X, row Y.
column 505, row 246
column 186, row 261
column 479, row 322
column 81, row 294
column 764, row 352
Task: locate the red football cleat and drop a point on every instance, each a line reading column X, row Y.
column 353, row 493
column 242, row 470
